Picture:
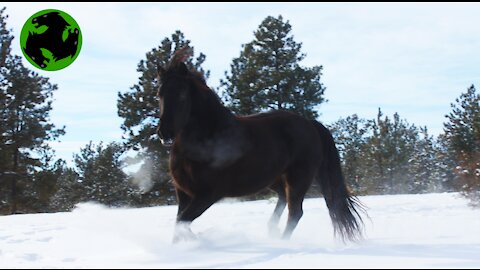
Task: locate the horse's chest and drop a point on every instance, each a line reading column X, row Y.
column 199, row 167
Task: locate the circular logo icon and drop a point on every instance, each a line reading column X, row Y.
column 51, row 39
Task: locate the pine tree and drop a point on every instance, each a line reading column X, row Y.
column 424, row 170
column 140, row 110
column 45, row 185
column 389, row 155
column 67, row 194
column 462, row 134
column 101, row 176
column 445, row 164
column 388, row 150
column 268, row 75
column 377, row 152
column 25, row 128
column 350, row 137
column 5, row 40
column 68, row 189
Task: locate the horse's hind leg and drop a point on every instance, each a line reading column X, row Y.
column 298, row 182
column 279, row 188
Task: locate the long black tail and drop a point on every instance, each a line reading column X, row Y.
column 343, row 207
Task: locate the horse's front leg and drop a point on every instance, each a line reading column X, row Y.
column 183, row 200
column 197, row 205
column 182, row 229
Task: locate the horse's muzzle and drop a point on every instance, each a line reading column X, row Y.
column 167, row 142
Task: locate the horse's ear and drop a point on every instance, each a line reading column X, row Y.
column 182, row 68
column 160, row 72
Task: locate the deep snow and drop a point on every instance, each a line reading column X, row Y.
column 404, row 231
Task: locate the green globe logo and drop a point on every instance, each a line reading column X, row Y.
column 51, row 39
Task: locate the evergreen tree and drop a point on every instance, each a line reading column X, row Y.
column 139, row 108
column 389, row 149
column 36, row 198
column 390, row 156
column 25, row 128
column 101, row 176
column 462, row 133
column 5, row 40
column 445, row 164
column 268, row 75
column 68, row 189
column 424, row 166
column 350, row 137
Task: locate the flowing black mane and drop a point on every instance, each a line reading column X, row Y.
column 208, row 98
column 211, row 96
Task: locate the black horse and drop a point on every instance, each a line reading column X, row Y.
column 51, row 39
column 216, row 154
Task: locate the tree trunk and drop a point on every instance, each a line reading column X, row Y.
column 13, row 206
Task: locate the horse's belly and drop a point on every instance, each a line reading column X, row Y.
column 233, row 181
column 241, row 181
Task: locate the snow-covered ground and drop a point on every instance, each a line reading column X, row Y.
column 404, row 231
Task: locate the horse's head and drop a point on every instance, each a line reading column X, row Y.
column 51, row 19
column 175, row 97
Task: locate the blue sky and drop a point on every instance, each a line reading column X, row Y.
column 410, row 58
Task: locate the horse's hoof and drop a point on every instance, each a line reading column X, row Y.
column 183, row 233
column 183, row 238
column 274, row 232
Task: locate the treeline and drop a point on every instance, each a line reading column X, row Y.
column 385, row 155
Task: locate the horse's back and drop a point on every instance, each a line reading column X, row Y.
column 284, row 123
column 287, row 131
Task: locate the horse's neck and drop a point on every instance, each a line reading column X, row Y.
column 212, row 119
